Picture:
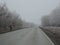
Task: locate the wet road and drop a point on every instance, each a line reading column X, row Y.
column 30, row 36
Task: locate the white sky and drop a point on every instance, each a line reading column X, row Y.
column 32, row 10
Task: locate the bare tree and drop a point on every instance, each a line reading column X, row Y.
column 45, row 21
column 9, row 20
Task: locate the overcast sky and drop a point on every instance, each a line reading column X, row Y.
column 32, row 10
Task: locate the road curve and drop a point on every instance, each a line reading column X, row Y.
column 30, row 36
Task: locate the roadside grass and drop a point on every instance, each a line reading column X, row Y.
column 53, row 33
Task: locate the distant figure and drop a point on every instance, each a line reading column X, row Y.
column 10, row 26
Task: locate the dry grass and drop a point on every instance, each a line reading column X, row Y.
column 53, row 33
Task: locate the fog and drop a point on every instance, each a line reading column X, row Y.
column 32, row 10
column 30, row 22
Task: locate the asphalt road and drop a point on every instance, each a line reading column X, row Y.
column 30, row 36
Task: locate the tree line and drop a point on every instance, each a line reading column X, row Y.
column 9, row 20
column 53, row 19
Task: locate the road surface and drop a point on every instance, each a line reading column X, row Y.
column 30, row 36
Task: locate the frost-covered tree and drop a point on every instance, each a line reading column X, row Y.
column 45, row 21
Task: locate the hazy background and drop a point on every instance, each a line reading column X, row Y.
column 32, row 10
